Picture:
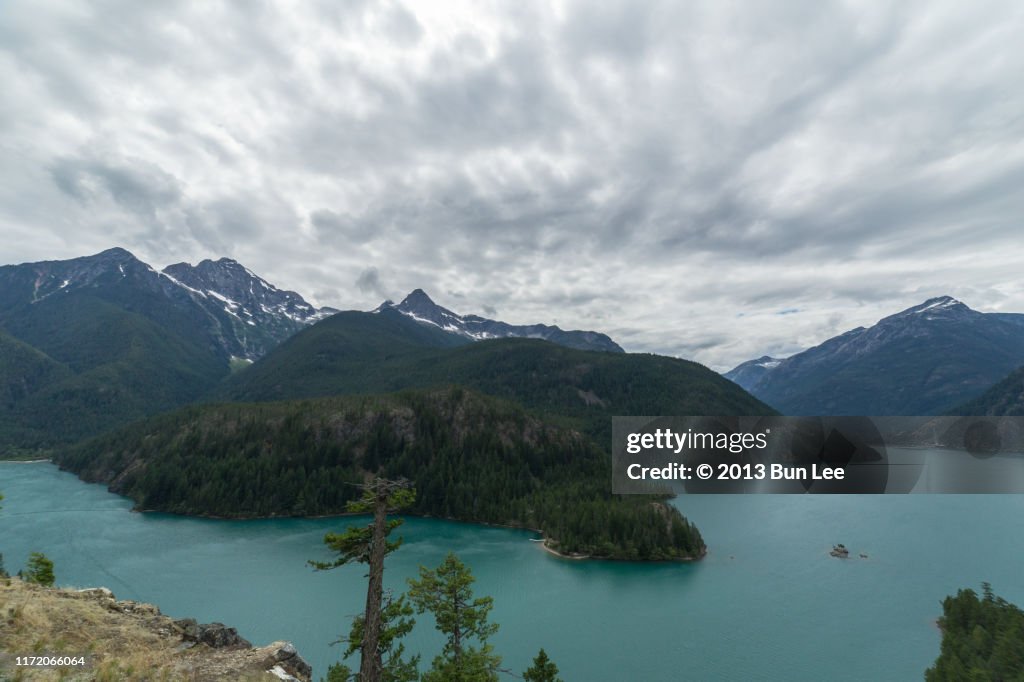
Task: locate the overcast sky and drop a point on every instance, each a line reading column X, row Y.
column 713, row 180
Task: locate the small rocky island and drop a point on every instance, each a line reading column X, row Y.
column 840, row 551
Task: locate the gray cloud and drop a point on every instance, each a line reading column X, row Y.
column 368, row 282
column 143, row 190
column 677, row 175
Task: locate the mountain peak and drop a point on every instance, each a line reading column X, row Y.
column 920, row 361
column 937, row 305
column 420, row 307
column 115, row 254
column 258, row 313
column 417, row 296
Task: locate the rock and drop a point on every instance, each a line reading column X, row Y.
column 283, row 655
column 220, row 636
column 282, row 674
column 840, row 552
column 96, row 593
column 188, row 628
column 134, row 607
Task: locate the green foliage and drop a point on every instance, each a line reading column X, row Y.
column 338, row 672
column 542, row 670
column 355, row 543
column 384, row 621
column 39, row 570
column 396, row 622
column 1004, row 399
column 982, row 639
column 74, row 365
column 364, row 352
column 320, row 360
column 470, row 457
column 447, row 593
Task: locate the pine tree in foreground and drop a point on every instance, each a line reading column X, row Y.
column 542, row 670
column 447, row 593
column 396, row 622
column 369, row 545
column 39, row 570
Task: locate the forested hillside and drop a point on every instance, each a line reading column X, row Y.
column 1004, row 399
column 95, row 365
column 365, row 352
column 471, row 457
column 982, row 639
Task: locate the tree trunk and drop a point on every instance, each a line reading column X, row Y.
column 371, row 666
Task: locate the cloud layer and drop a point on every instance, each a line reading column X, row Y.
column 712, row 180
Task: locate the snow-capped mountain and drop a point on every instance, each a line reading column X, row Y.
column 238, row 313
column 243, row 293
column 258, row 314
column 421, row 308
column 923, row 360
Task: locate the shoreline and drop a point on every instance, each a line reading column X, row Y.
column 571, row 557
column 590, row 557
column 544, row 539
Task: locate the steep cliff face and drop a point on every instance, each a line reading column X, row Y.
column 127, row 640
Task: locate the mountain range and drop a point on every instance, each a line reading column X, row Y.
column 421, row 308
column 207, row 390
column 93, row 342
column 488, row 426
column 928, row 359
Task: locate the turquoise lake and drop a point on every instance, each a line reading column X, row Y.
column 768, row 603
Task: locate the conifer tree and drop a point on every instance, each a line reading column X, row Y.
column 447, row 593
column 542, row 670
column 396, row 622
column 39, row 570
column 369, row 545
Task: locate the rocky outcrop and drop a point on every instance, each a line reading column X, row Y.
column 213, row 635
column 285, row 659
column 134, row 635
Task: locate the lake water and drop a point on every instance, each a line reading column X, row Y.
column 768, row 603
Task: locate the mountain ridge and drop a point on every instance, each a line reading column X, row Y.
column 420, row 307
column 587, row 387
column 923, row 360
column 114, row 340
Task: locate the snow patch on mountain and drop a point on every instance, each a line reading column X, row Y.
column 419, row 307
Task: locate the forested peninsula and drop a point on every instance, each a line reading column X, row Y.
column 470, row 457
